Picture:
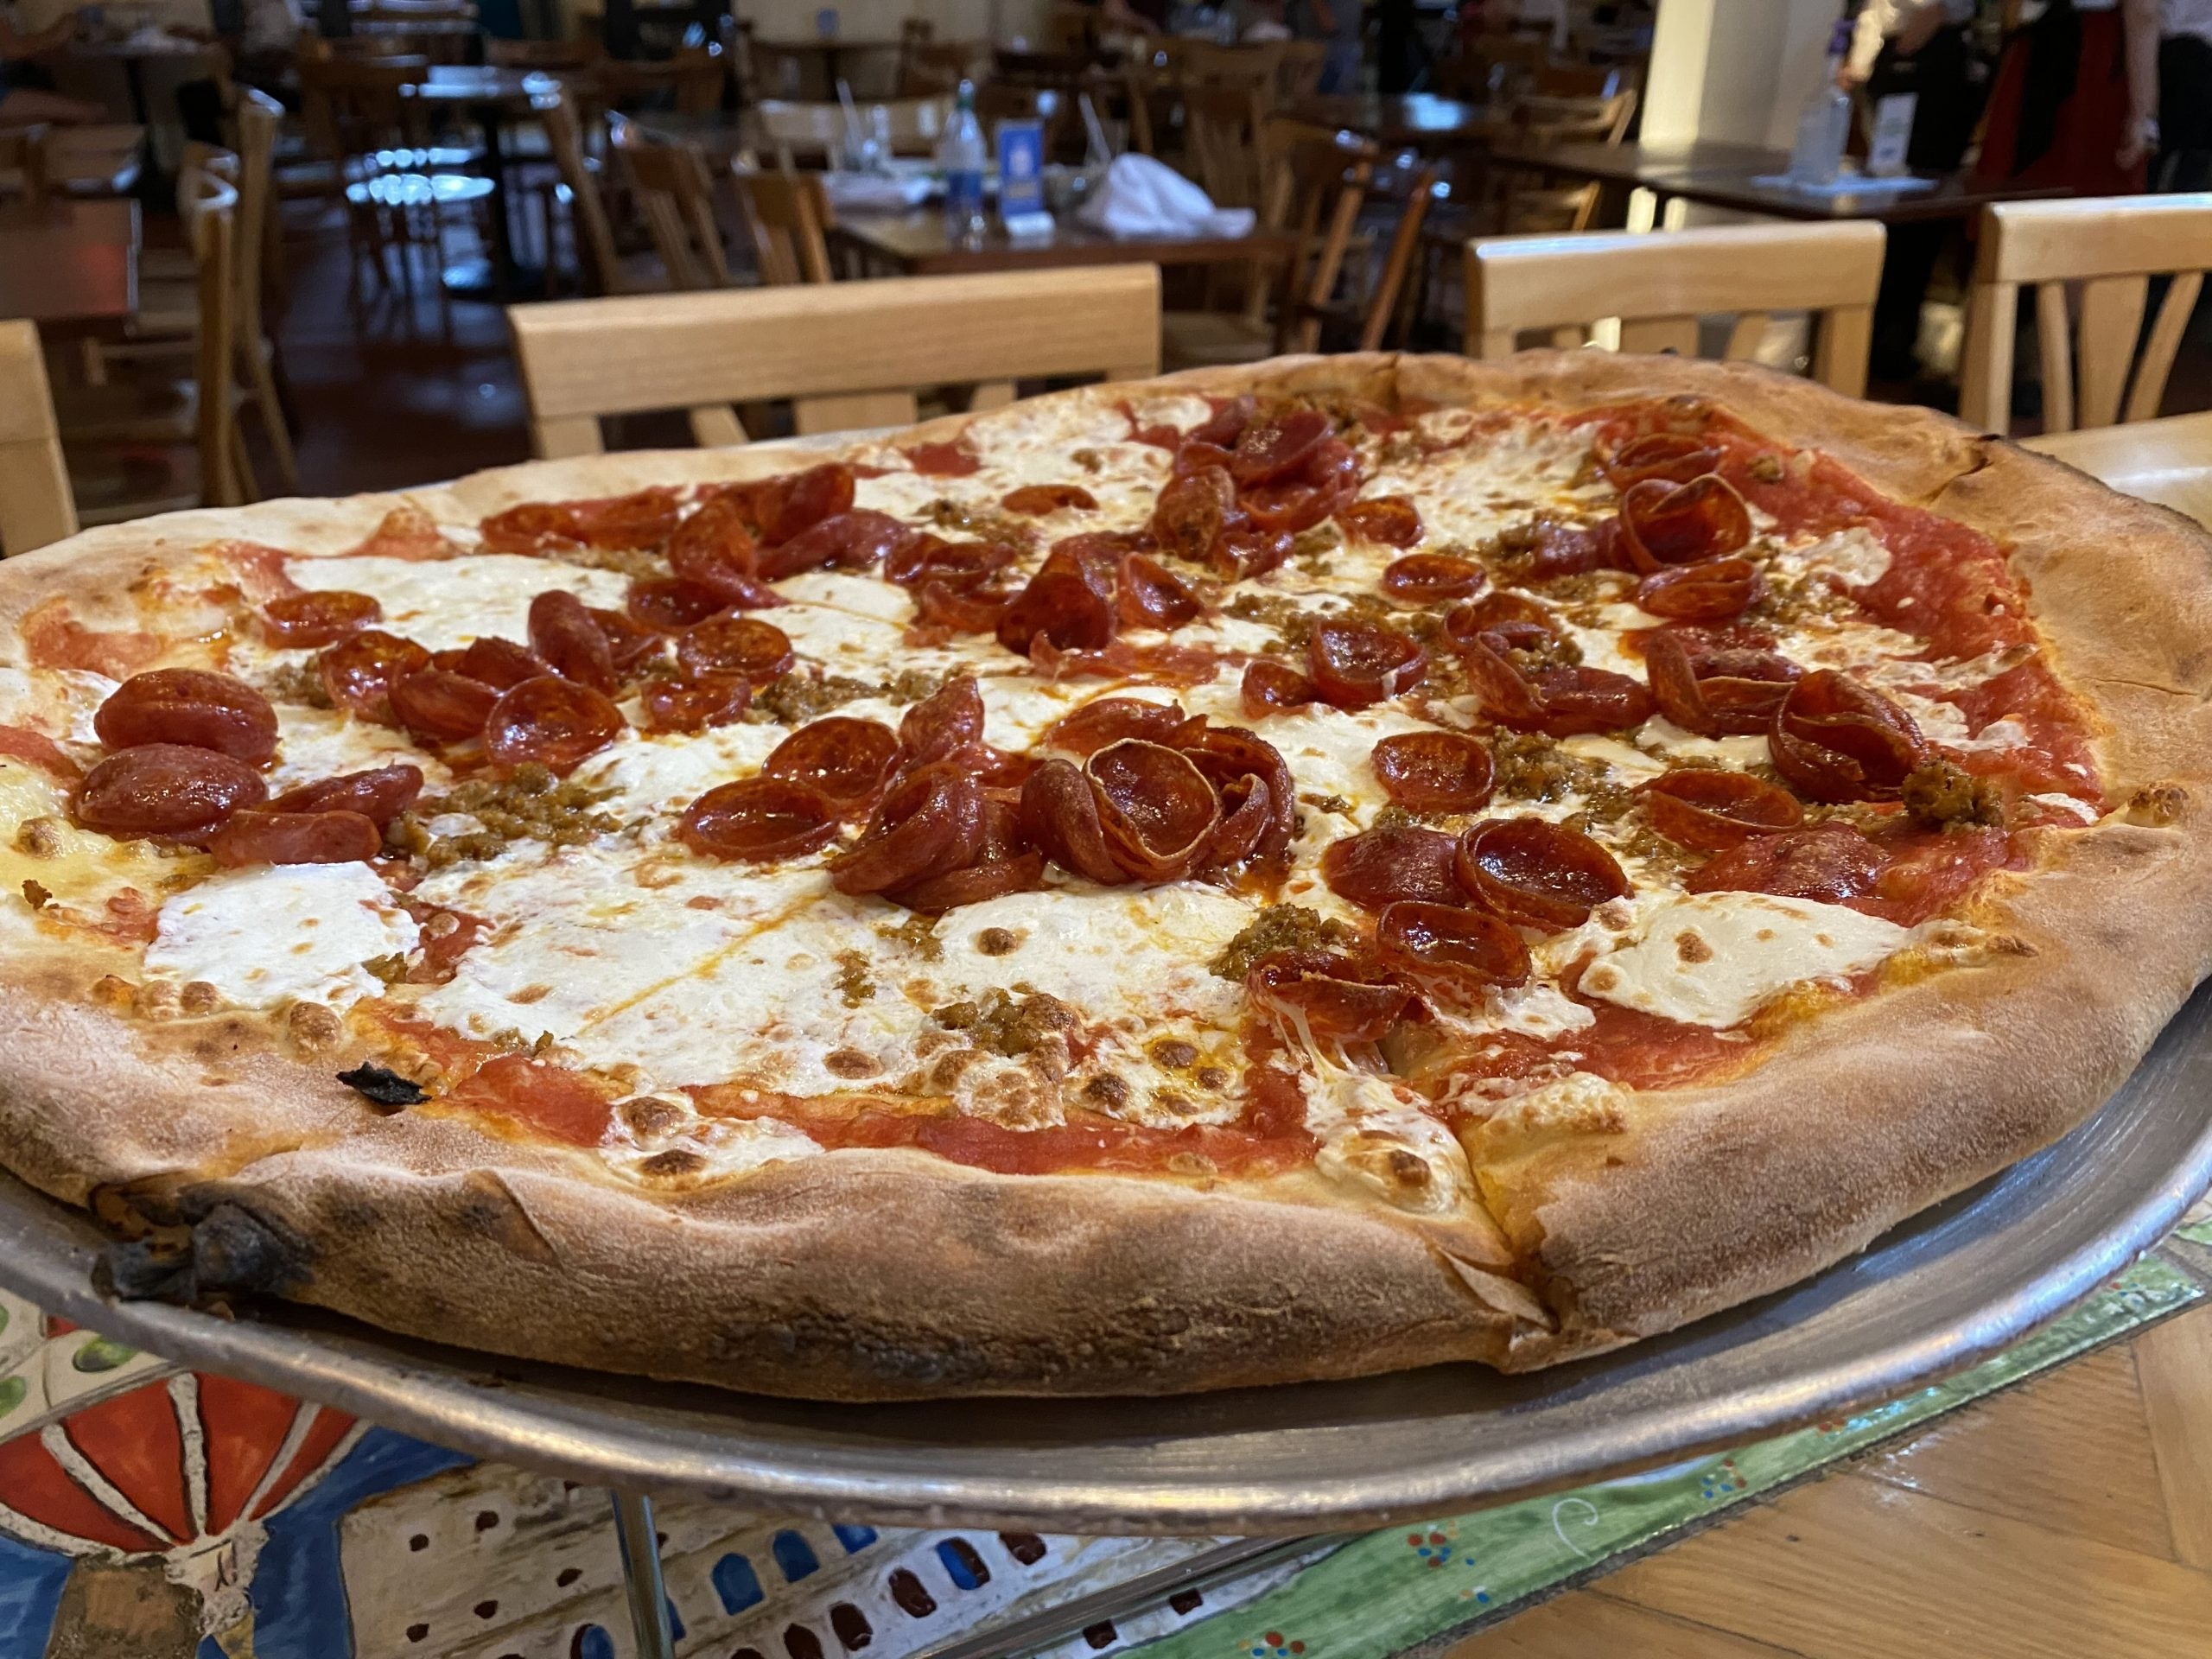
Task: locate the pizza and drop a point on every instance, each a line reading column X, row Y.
column 1258, row 875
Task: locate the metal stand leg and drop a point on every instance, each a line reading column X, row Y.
column 633, row 1531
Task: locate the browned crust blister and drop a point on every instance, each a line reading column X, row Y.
column 872, row 1275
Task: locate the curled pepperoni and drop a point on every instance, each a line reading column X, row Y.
column 1192, row 510
column 1249, row 550
column 628, row 642
column 1378, row 868
column 1392, row 520
column 1225, row 754
column 923, row 558
column 1714, row 811
column 1288, row 507
column 1280, row 444
column 734, row 644
column 1433, row 771
column 1553, row 549
column 379, row 794
column 758, row 819
column 1713, row 590
column 960, row 610
column 1835, row 740
column 1524, row 624
column 317, row 619
column 1196, row 457
column 1269, row 685
column 1059, row 815
column 784, row 506
column 1246, row 812
column 1451, row 946
column 846, row 761
column 1068, row 603
column 1734, row 692
column 1109, row 720
column 1156, row 808
column 1020, row 873
column 1666, row 524
column 1561, row 702
column 1354, row 664
column 859, row 540
column 1430, row 578
column 358, row 672
column 563, row 633
column 931, row 823
column 948, row 721
column 1226, row 424
column 1037, row 500
column 253, row 835
column 1677, row 457
column 644, row 519
column 1831, row 863
column 671, row 603
column 696, row 703
column 192, row 707
column 714, row 550
column 556, row 722
column 1319, row 995
column 499, row 663
column 168, row 790
column 1147, row 595
column 1538, row 874
column 441, row 706
column 535, row 527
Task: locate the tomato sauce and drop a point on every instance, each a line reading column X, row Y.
column 551, row 1102
column 943, row 461
column 54, row 639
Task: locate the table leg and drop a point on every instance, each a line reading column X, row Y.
column 502, row 278
column 641, row 1577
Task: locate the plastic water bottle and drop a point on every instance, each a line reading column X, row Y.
column 1825, row 127
column 960, row 158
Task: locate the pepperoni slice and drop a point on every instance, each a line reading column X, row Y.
column 1156, row 808
column 1069, row 603
column 440, row 706
column 1433, row 771
column 563, row 633
column 671, row 604
column 1037, row 500
column 629, row 642
column 714, row 549
column 1316, row 993
column 1020, row 873
column 858, row 539
column 1735, row 692
column 317, row 619
column 931, row 823
column 358, row 672
column 1280, row 444
column 1249, row 550
column 192, row 707
column 784, row 506
column 1451, row 946
column 1059, row 815
column 734, row 644
column 1538, row 874
column 1109, row 720
column 942, row 459
column 643, row 519
column 534, row 528
column 1713, row 590
column 845, row 760
column 1835, row 740
column 1378, row 868
column 1356, row 665
column 1147, row 595
column 1246, row 812
column 1666, row 524
column 948, row 721
column 923, row 558
column 254, row 834
column 1677, row 457
column 696, row 703
column 1711, row 811
column 960, row 610
column 1192, row 510
column 1430, row 578
column 1226, row 424
column 168, row 790
column 1269, row 685
column 757, row 820
column 1561, row 702
column 1523, row 624
column 1225, row 754
column 1554, row 549
column 379, row 794
column 1831, row 863
column 498, row 662
column 554, row 721
column 1392, row 520
column 1198, row 457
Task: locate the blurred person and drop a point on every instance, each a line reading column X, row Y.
column 2185, row 161
column 26, row 98
column 2075, row 103
column 1337, row 22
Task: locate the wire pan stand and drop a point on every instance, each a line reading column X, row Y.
column 1946, row 1288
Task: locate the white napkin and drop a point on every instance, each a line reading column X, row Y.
column 875, row 193
column 1140, row 196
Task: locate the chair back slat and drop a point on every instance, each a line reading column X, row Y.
column 595, row 247
column 35, row 508
column 790, row 216
column 675, row 194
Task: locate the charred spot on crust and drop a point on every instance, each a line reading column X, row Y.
column 383, row 1088
column 1279, row 927
column 228, row 1250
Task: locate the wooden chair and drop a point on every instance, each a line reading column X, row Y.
column 1221, row 134
column 814, row 134
column 936, row 68
column 788, row 215
column 690, row 83
column 676, row 196
column 34, row 504
column 1660, row 284
column 575, row 56
column 1298, row 75
column 597, row 259
column 2112, row 247
column 24, row 151
column 848, row 354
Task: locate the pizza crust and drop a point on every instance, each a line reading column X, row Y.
column 879, row 1275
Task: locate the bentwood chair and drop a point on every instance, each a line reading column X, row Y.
column 1660, row 285
column 34, row 504
column 848, row 354
column 675, row 193
column 2110, row 246
column 789, row 216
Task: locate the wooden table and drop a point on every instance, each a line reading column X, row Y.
column 494, row 96
column 916, row 244
column 1420, row 120
column 89, row 161
column 830, row 50
column 72, row 269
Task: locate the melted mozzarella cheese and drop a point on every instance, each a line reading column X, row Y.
column 57, row 702
column 1662, row 737
column 665, row 773
column 1853, row 557
column 316, row 743
column 440, row 604
column 278, row 933
column 1376, row 1137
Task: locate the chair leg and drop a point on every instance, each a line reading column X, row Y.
column 262, row 379
column 245, row 487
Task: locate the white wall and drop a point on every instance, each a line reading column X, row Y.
column 1737, row 70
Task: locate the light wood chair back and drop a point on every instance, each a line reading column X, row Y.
column 209, row 206
column 675, row 194
column 789, row 216
column 1660, row 285
column 1504, row 63
column 595, row 232
column 1253, row 66
column 24, row 152
column 1572, row 119
column 1221, row 136
column 34, row 504
column 2109, row 247
column 1319, row 180
column 1405, row 248
column 936, row 68
column 352, row 106
column 848, row 354
column 1298, row 75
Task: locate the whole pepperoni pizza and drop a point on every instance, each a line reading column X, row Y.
column 1272, row 875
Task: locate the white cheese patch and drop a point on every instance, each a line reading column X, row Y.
column 317, row 743
column 1601, row 648
column 665, row 773
column 440, row 604
column 1662, row 737
column 59, row 703
column 1632, row 765
column 840, row 591
column 1368, row 1126
column 273, row 934
column 1945, row 723
column 2072, row 806
column 1853, row 557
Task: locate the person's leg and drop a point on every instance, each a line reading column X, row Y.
column 29, row 106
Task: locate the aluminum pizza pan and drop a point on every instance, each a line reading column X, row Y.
column 1946, row 1288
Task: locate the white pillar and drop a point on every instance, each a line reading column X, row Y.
column 1735, row 71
